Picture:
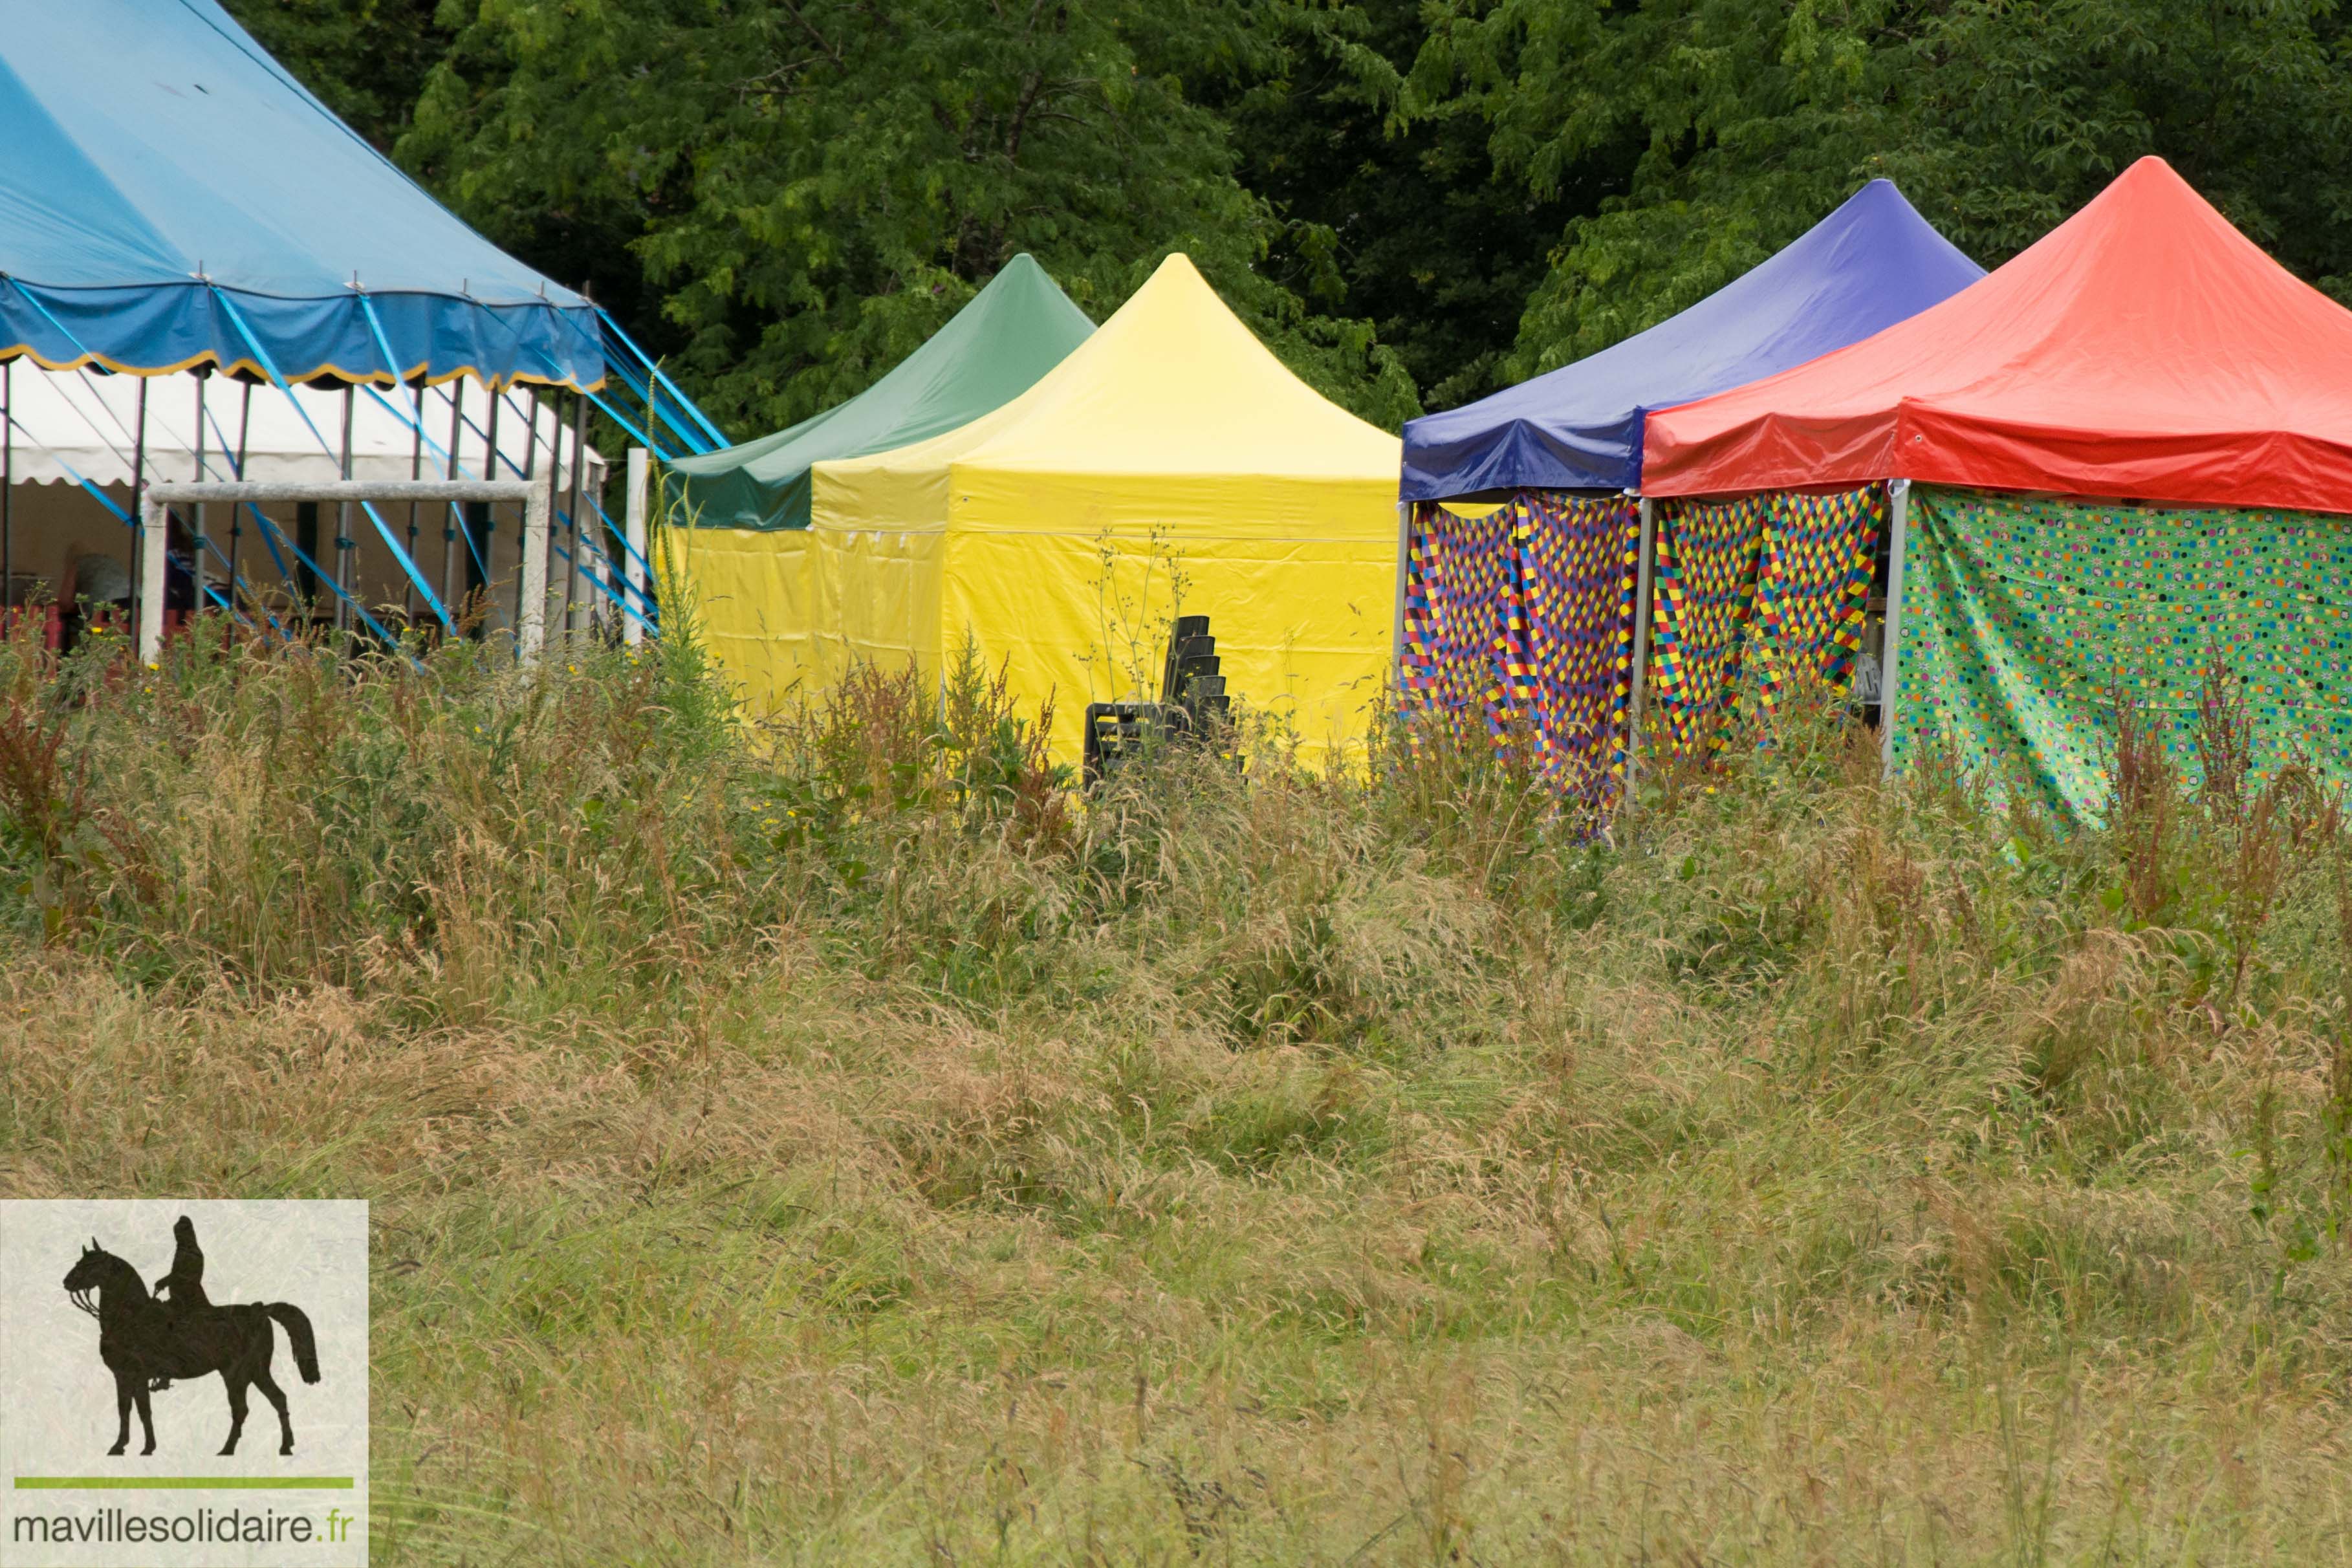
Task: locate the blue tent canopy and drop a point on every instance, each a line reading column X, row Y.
column 170, row 198
column 1870, row 264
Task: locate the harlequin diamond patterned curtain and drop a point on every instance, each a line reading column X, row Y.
column 1755, row 595
column 1458, row 593
column 1571, row 662
column 1708, row 554
column 1813, row 590
column 2024, row 621
column 1524, row 616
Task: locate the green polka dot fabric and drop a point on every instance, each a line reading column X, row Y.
column 2024, row 621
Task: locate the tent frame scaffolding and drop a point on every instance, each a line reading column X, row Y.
column 640, row 476
column 1898, row 511
column 7, row 480
column 155, row 505
column 1645, row 574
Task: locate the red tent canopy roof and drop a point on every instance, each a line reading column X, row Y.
column 2143, row 348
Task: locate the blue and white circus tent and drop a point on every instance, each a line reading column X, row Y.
column 174, row 203
column 172, row 197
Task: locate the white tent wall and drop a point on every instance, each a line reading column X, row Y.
column 87, row 422
column 68, row 426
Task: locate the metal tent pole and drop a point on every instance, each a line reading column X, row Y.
column 640, row 476
column 1898, row 503
column 236, row 520
column 138, row 493
column 530, row 622
column 1646, row 576
column 152, row 528
column 346, row 547
column 483, row 513
column 415, row 471
column 530, row 470
column 7, row 482
column 197, row 554
column 449, row 520
column 573, row 532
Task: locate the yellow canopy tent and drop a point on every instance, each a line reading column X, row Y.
column 1170, row 463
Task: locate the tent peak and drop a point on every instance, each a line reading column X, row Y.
column 1175, row 266
column 2145, row 347
column 1869, row 263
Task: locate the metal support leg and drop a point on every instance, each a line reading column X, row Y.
column 1898, row 506
column 450, row 516
column 1645, row 575
column 531, row 629
column 346, row 545
column 152, row 526
column 640, row 476
column 575, row 536
column 138, row 492
column 197, row 550
column 8, row 483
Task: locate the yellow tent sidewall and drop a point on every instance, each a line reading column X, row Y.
column 752, row 597
column 1303, row 626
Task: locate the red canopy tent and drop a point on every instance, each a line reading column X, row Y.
column 2145, row 349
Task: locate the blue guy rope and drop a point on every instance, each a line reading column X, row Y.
column 597, row 584
column 392, row 541
column 684, row 401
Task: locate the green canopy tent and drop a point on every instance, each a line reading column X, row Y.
column 1014, row 330
column 743, row 554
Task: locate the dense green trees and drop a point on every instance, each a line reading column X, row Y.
column 815, row 187
column 1998, row 118
column 1414, row 201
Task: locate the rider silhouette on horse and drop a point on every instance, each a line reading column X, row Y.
column 184, row 1285
column 146, row 1342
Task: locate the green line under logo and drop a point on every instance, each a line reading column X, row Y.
column 183, row 1483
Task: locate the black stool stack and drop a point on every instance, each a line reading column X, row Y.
column 1193, row 704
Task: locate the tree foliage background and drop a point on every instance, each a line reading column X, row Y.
column 1415, row 201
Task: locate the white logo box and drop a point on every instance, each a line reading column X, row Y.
column 67, row 1502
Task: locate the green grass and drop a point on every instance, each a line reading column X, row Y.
column 840, row 1144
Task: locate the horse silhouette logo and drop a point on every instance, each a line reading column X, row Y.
column 148, row 1342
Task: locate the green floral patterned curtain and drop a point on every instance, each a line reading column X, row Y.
column 2025, row 620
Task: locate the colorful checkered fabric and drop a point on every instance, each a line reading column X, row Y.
column 1577, row 562
column 2025, row 621
column 1458, row 593
column 1707, row 555
column 1524, row 615
column 1812, row 591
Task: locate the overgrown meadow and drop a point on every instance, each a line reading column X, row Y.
column 844, row 1142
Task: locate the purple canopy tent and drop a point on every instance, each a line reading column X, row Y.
column 1545, row 612
column 1870, row 264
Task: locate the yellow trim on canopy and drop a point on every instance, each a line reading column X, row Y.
column 1171, row 444
column 242, row 365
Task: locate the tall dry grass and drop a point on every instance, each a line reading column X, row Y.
column 845, row 1143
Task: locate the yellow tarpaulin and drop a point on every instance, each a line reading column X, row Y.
column 1170, row 461
column 751, row 595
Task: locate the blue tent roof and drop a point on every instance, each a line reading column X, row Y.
column 1870, row 264
column 169, row 197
